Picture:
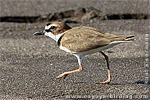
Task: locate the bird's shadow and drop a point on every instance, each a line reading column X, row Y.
column 142, row 82
column 137, row 82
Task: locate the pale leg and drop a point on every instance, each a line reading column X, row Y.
column 74, row 71
column 108, row 71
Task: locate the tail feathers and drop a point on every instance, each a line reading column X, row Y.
column 129, row 38
column 122, row 38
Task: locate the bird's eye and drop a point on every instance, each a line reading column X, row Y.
column 52, row 27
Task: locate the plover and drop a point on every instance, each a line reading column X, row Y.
column 81, row 41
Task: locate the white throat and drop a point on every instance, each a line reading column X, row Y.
column 55, row 37
column 51, row 35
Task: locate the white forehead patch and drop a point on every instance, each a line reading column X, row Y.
column 47, row 27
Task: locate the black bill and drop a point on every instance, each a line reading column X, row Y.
column 39, row 33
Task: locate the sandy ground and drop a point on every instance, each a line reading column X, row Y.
column 29, row 65
column 40, row 7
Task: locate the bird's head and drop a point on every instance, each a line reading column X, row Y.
column 54, row 30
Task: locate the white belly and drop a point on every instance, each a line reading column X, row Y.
column 93, row 50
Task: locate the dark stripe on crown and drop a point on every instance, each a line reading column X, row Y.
column 48, row 24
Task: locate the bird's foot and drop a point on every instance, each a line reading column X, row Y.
column 62, row 75
column 106, row 82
